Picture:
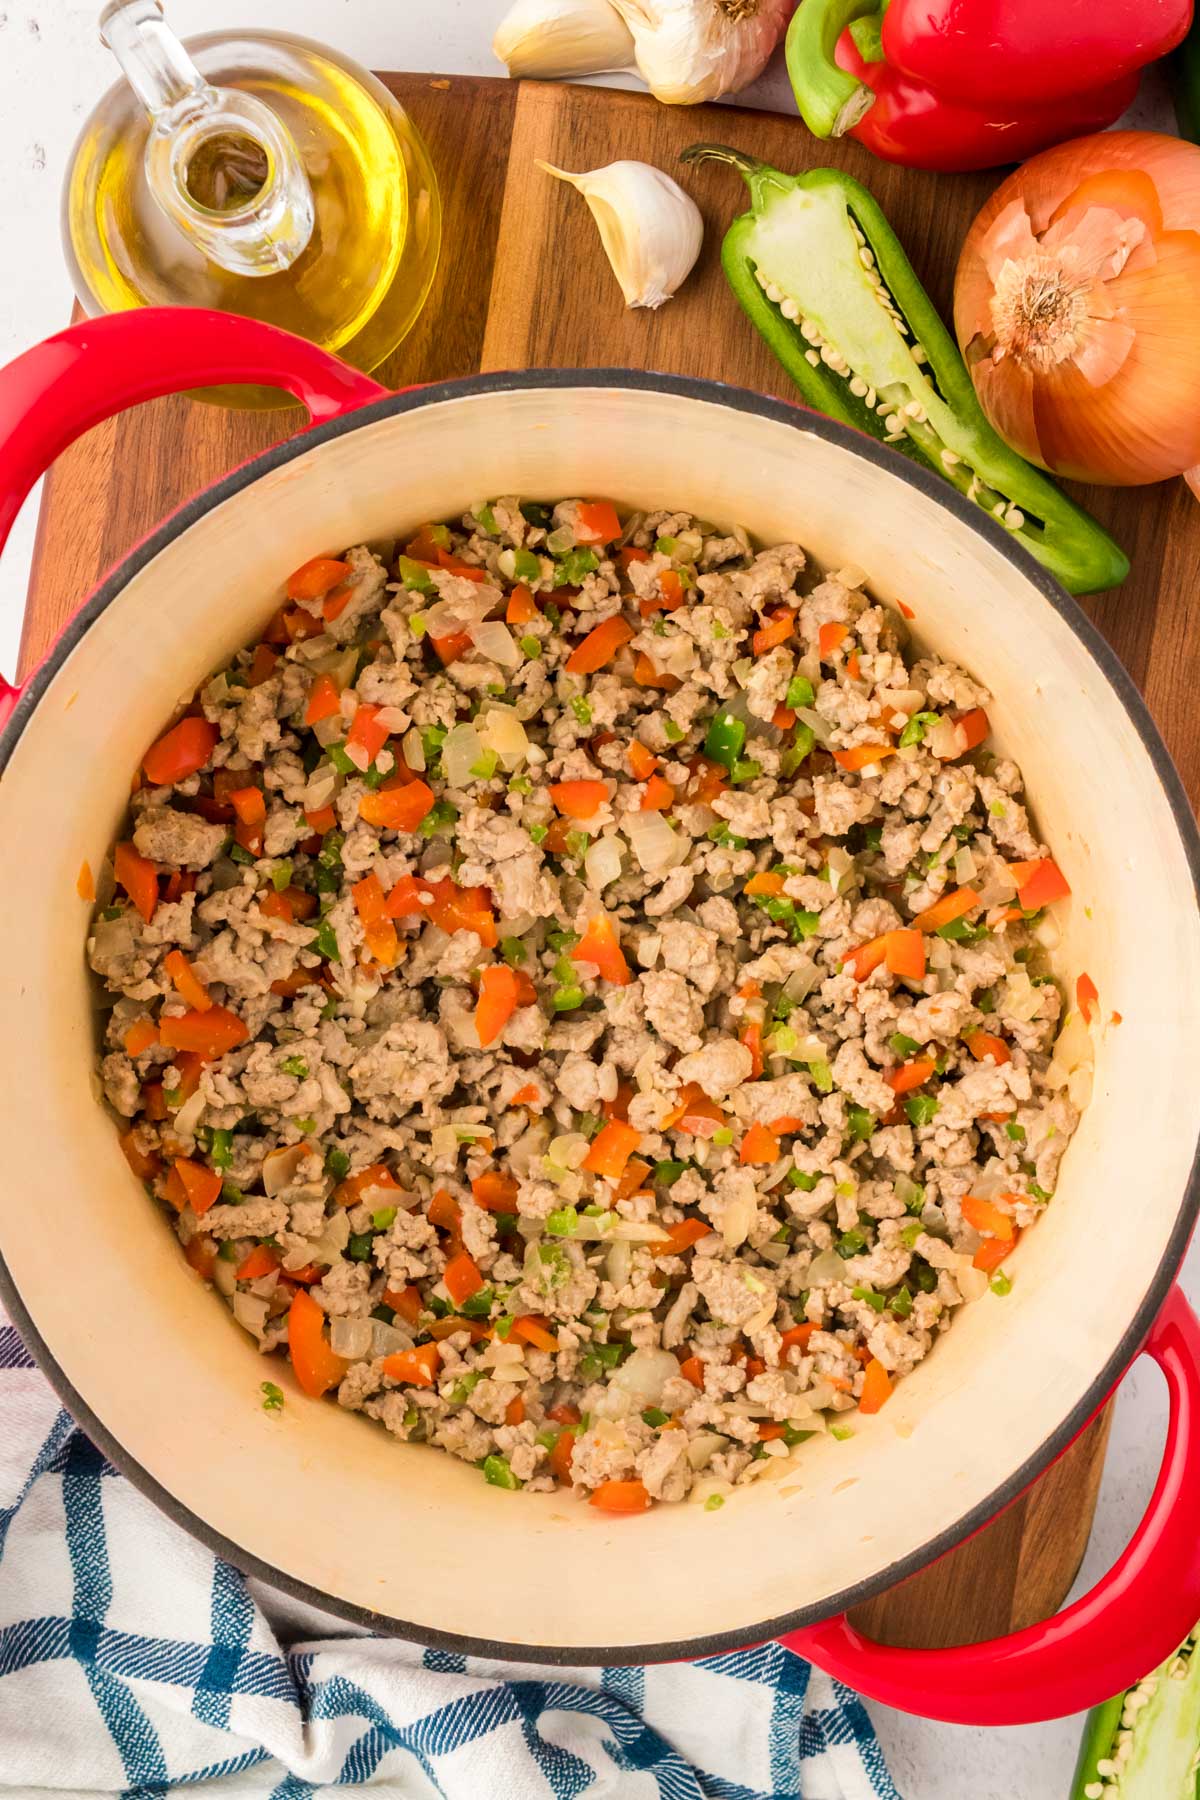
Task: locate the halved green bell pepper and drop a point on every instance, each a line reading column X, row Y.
column 822, row 276
column 1145, row 1743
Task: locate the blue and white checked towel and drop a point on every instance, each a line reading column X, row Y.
column 133, row 1662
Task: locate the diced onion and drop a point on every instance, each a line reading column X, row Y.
column 322, row 784
column 443, row 1142
column 460, row 752
column 313, row 650
column 506, row 1360
column 906, row 1190
column 939, row 953
column 1047, row 933
column 1072, row 1050
column 655, row 845
column 391, row 718
column 225, row 1277
column 414, row 751
column 494, row 640
column 602, row 862
column 701, row 1450
column 901, row 700
column 825, row 1268
column 501, row 730
column 642, row 1377
column 759, row 1320
column 325, row 1249
column 802, row 980
column 964, row 865
column 819, row 1396
column 998, row 887
column 821, row 729
column 737, row 1219
column 568, row 1150
column 445, row 617
column 188, row 1116
column 1019, row 998
column 945, row 740
column 972, row 1282
column 529, row 1148
column 339, row 665
column 618, row 1263
column 387, row 1339
column 351, row 1338
column 841, row 864
column 250, row 1313
column 674, row 655
column 283, row 1168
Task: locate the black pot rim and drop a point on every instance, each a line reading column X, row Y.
column 1110, row 668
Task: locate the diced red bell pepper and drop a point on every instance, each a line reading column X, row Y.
column 138, row 877
column 498, row 997
column 417, row 1367
column 1039, row 883
column 180, row 752
column 461, row 1277
column 399, row 808
column 621, row 1497
column 876, row 1388
column 599, row 945
column 495, row 1190
column 366, row 733
column 579, row 799
column 201, row 1184
column 599, row 646
column 597, row 522
column 681, row 1236
column 322, row 701
column 313, row 579
column 187, row 983
column 611, row 1149
column 208, row 1034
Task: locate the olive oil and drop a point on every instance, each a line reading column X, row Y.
column 256, row 173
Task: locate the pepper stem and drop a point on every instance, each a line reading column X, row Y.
column 831, row 101
column 723, row 153
column 759, row 176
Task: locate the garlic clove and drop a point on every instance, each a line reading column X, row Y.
column 550, row 39
column 692, row 50
column 650, row 229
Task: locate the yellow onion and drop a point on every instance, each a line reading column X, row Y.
column 1077, row 308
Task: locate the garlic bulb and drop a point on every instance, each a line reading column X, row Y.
column 552, row 38
column 693, row 50
column 651, row 230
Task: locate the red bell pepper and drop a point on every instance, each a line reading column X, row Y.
column 1023, row 46
column 968, row 84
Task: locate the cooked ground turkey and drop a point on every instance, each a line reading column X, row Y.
column 569, row 984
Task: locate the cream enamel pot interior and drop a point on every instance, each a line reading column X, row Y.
column 326, row 1503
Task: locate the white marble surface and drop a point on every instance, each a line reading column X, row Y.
column 52, row 70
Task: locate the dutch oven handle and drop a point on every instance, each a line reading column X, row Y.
column 85, row 374
column 1130, row 1621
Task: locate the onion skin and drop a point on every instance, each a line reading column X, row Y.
column 1076, row 306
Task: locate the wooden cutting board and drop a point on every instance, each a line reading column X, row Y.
column 523, row 283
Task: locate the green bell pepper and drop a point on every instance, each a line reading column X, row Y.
column 822, row 276
column 1157, row 1751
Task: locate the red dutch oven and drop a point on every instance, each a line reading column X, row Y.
column 406, row 1540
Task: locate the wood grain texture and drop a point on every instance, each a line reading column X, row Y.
column 523, row 283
